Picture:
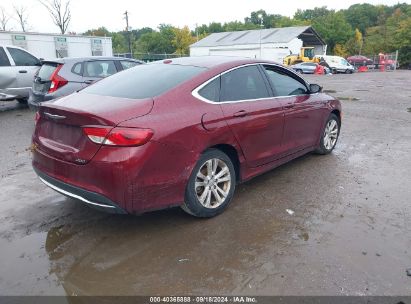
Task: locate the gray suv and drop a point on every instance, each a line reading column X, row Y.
column 60, row 77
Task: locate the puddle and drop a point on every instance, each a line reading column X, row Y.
column 409, row 110
column 329, row 91
column 29, row 269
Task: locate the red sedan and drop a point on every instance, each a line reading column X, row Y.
column 181, row 132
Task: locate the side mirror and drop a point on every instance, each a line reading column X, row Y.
column 315, row 88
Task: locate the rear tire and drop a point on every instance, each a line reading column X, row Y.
column 329, row 135
column 211, row 185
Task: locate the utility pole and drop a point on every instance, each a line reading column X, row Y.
column 128, row 33
column 261, row 31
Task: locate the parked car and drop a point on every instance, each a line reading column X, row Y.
column 359, row 60
column 17, row 69
column 308, row 68
column 64, row 76
column 337, row 64
column 181, row 132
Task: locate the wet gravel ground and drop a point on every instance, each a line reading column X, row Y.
column 350, row 233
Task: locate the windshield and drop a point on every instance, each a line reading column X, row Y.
column 143, row 81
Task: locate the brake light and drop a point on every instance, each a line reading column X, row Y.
column 56, row 80
column 118, row 136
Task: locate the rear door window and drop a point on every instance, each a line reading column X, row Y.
column 22, row 58
column 125, row 64
column 99, row 69
column 4, row 60
column 244, row 83
column 283, row 83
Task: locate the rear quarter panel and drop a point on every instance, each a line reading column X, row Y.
column 176, row 119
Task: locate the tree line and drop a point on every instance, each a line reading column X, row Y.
column 361, row 29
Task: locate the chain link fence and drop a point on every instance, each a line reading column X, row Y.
column 148, row 57
column 376, row 62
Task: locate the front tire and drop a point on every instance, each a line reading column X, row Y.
column 211, row 185
column 330, row 134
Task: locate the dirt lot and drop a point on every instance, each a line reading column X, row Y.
column 350, row 233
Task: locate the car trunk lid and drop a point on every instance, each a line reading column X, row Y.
column 59, row 131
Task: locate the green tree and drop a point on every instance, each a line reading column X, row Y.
column 119, row 43
column 101, row 31
column 340, row 50
column 311, row 14
column 215, row 27
column 362, row 16
column 355, row 44
column 182, row 40
column 156, row 42
column 334, row 29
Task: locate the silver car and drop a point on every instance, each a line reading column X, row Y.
column 60, row 77
column 308, row 68
column 17, row 70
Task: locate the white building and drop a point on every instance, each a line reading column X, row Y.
column 269, row 44
column 50, row 46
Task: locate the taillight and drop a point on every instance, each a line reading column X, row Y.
column 118, row 136
column 56, row 80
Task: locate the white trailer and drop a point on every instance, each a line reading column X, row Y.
column 49, row 46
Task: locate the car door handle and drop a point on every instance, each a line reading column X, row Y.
column 241, row 113
column 23, row 71
column 289, row 106
column 88, row 81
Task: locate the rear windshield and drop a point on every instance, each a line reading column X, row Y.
column 143, row 81
column 46, row 70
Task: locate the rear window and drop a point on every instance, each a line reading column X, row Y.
column 46, row 70
column 144, row 81
column 128, row 64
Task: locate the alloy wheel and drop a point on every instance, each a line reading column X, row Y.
column 330, row 134
column 213, row 183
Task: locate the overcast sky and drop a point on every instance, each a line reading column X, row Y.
column 88, row 14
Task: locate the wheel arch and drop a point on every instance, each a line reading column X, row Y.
column 232, row 153
column 337, row 113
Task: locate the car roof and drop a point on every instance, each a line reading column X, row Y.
column 212, row 61
column 94, row 58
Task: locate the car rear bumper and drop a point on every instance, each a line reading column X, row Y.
column 92, row 199
column 35, row 99
column 128, row 178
